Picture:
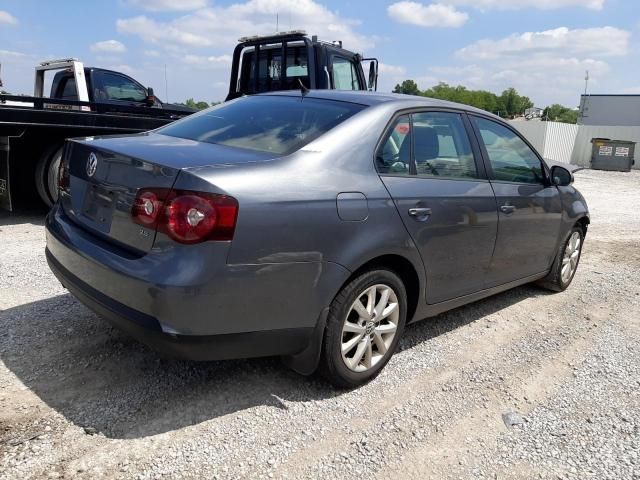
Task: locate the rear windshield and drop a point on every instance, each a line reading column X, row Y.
column 274, row 124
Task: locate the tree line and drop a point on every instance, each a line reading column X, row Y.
column 508, row 104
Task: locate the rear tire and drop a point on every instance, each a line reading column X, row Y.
column 566, row 262
column 47, row 171
column 365, row 323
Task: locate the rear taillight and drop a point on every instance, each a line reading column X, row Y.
column 186, row 216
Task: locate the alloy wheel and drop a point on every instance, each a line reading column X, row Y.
column 370, row 327
column 570, row 257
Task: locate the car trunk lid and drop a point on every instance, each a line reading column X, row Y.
column 105, row 175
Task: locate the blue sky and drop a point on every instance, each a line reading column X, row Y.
column 540, row 47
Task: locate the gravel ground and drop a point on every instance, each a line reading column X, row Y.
column 526, row 384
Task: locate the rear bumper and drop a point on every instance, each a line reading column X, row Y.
column 192, row 304
column 147, row 329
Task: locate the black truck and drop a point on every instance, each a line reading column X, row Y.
column 93, row 101
column 83, row 102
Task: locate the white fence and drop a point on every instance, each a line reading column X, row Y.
column 564, row 142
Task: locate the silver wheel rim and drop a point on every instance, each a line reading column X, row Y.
column 570, row 257
column 370, row 327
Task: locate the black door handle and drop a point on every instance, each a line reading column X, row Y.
column 507, row 209
column 419, row 212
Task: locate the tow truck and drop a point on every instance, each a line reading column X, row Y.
column 92, row 101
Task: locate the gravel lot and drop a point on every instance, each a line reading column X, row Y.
column 526, row 384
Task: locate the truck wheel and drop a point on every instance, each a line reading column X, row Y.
column 47, row 175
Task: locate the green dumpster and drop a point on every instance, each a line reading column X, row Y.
column 616, row 155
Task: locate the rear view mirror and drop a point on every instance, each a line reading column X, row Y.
column 151, row 98
column 560, row 176
column 372, row 83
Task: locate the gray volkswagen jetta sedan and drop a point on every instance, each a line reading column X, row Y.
column 311, row 225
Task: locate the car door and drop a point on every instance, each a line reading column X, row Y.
column 436, row 178
column 529, row 207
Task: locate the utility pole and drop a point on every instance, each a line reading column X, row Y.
column 166, row 84
column 586, row 82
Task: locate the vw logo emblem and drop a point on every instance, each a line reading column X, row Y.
column 92, row 164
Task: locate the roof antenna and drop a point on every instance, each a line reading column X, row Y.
column 303, row 90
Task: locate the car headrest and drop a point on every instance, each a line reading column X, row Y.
column 425, row 143
column 426, row 146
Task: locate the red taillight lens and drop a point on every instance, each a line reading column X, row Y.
column 186, row 216
column 146, row 208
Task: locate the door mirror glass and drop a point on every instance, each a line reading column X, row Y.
column 372, row 75
column 560, row 176
column 151, row 98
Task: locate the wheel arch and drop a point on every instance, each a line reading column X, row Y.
column 583, row 222
column 401, row 266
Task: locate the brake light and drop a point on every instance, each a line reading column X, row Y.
column 146, row 208
column 186, row 216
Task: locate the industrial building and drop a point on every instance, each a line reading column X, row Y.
column 610, row 110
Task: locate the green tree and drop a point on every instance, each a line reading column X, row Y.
column 509, row 104
column 191, row 103
column 408, row 87
column 560, row 113
column 513, row 104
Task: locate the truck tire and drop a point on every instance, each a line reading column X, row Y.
column 47, row 175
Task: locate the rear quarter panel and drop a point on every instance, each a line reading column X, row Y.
column 288, row 211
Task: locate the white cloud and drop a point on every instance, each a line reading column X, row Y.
column 599, row 42
column 434, row 15
column 109, row 46
column 6, row 17
column 152, row 53
column 631, row 90
column 385, row 68
column 221, row 61
column 547, row 66
column 221, row 26
column 539, row 4
column 129, row 70
column 10, row 53
column 167, row 5
column 544, row 77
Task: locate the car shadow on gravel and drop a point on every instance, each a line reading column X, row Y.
column 33, row 215
column 98, row 377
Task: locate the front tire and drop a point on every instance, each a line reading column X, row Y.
column 566, row 262
column 365, row 323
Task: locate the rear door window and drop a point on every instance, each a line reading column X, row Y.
column 270, row 69
column 67, row 90
column 274, row 124
column 441, row 146
column 394, row 155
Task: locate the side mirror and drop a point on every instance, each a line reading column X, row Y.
column 151, row 98
column 373, row 74
column 560, row 176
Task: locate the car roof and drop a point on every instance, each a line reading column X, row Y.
column 376, row 98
